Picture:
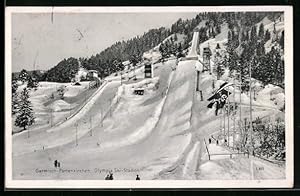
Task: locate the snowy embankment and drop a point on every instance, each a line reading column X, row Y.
column 191, row 162
column 48, row 106
column 150, row 123
column 175, row 123
column 81, row 111
column 222, row 167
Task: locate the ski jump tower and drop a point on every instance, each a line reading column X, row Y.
column 193, row 53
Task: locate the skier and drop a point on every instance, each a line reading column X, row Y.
column 209, row 140
column 107, row 177
column 55, row 163
column 58, row 164
column 137, row 177
column 217, row 142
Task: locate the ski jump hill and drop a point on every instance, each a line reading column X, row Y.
column 168, row 141
column 192, row 55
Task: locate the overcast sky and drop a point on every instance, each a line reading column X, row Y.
column 36, row 38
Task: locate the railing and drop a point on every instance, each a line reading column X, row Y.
column 230, row 154
column 248, row 155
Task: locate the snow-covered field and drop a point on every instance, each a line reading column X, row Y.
column 158, row 135
column 49, row 108
column 223, row 165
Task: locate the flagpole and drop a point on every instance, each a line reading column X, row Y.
column 250, row 88
column 233, row 135
column 224, row 123
column 228, row 128
column 241, row 121
column 220, row 125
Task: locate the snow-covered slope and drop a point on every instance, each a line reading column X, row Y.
column 49, row 108
column 158, row 135
column 195, row 43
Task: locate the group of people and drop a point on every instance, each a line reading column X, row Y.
column 56, row 164
column 217, row 141
column 110, row 177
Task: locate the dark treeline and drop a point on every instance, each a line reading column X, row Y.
column 246, row 46
column 108, row 61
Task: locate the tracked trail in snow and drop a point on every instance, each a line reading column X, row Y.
column 66, row 132
column 142, row 132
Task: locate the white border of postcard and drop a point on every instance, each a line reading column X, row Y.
column 89, row 184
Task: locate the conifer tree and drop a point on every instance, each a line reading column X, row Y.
column 179, row 51
column 175, row 37
column 23, row 75
column 219, row 65
column 25, row 115
column 267, row 35
column 14, row 100
column 163, row 49
column 261, row 32
column 32, row 82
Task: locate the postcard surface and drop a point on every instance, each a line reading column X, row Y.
column 149, row 97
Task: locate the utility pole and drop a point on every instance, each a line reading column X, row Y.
column 121, row 78
column 101, row 117
column 233, row 135
column 201, row 95
column 224, row 115
column 51, row 117
column 241, row 120
column 76, row 138
column 228, row 112
column 91, row 130
column 220, row 125
column 70, row 109
column 250, row 88
column 198, row 78
column 110, row 100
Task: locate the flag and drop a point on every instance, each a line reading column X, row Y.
column 219, row 97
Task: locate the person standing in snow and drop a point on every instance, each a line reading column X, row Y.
column 137, row 177
column 107, row 177
column 111, row 176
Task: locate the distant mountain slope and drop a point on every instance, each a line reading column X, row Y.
column 108, row 61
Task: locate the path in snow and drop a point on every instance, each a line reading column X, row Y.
column 66, row 132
